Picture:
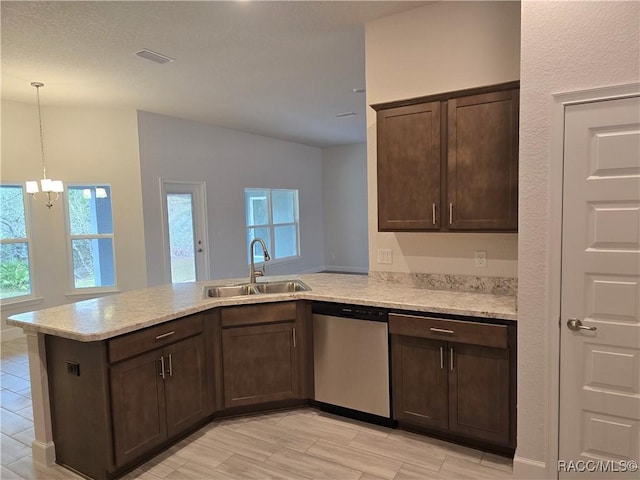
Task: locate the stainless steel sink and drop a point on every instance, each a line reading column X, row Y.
column 283, row 286
column 229, row 291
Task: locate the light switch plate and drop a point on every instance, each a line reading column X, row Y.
column 385, row 255
column 481, row 258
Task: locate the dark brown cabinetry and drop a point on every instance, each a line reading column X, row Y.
column 409, row 151
column 156, row 396
column 136, row 393
column 262, row 361
column 449, row 162
column 454, row 376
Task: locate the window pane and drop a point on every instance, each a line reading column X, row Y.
column 262, row 233
column 181, row 242
column 90, row 210
column 12, row 212
column 286, row 241
column 256, row 206
column 283, row 206
column 93, row 263
column 15, row 279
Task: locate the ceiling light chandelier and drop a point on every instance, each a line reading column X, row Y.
column 50, row 188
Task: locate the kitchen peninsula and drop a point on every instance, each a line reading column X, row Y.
column 113, row 323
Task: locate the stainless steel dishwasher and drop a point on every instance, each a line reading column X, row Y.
column 351, row 358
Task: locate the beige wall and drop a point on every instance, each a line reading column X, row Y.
column 81, row 145
column 437, row 48
column 566, row 46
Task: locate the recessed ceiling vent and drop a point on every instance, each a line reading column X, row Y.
column 153, row 56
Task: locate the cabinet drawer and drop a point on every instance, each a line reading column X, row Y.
column 448, row 330
column 256, row 314
column 153, row 337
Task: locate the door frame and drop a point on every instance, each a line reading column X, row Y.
column 199, row 189
column 554, row 253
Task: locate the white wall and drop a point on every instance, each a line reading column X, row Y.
column 228, row 161
column 438, row 48
column 81, row 145
column 344, row 186
column 566, row 46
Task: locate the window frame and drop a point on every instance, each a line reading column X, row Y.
column 271, row 225
column 74, row 291
column 32, row 295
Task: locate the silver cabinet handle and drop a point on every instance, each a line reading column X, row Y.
column 170, row 366
column 450, row 213
column 451, row 358
column 441, row 358
column 165, row 335
column 433, row 213
column 441, row 330
column 293, row 332
column 575, row 324
column 162, row 367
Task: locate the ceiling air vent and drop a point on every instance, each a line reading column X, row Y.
column 153, row 56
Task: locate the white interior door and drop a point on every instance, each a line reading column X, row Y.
column 600, row 363
column 185, row 230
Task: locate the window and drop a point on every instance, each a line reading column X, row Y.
column 90, row 231
column 15, row 245
column 273, row 216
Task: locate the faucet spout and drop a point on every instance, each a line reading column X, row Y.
column 252, row 269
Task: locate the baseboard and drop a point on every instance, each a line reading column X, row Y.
column 527, row 469
column 11, row 333
column 43, row 453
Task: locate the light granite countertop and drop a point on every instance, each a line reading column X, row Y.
column 113, row 315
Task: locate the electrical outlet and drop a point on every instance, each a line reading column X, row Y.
column 385, row 255
column 481, row 258
column 73, row 368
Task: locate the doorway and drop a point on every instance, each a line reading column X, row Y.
column 185, row 232
column 598, row 340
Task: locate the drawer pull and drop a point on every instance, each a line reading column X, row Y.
column 165, row 335
column 442, row 330
column 162, row 367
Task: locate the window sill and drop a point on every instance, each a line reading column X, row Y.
column 9, row 304
column 90, row 294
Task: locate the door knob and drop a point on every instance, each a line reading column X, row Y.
column 575, row 324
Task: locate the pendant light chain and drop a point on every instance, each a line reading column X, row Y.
column 44, row 165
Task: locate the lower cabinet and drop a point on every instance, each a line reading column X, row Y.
column 260, row 354
column 156, row 396
column 451, row 386
column 116, row 401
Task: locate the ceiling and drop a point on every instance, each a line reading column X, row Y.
column 279, row 69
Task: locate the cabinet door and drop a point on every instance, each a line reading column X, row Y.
column 482, row 162
column 185, row 384
column 479, row 392
column 409, row 165
column 138, row 406
column 419, row 381
column 259, row 364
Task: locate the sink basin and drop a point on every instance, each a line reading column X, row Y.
column 229, row 291
column 283, row 286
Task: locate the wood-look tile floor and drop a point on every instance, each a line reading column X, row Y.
column 296, row 444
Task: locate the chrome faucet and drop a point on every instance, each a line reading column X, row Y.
column 252, row 269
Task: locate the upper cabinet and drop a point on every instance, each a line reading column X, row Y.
column 449, row 162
